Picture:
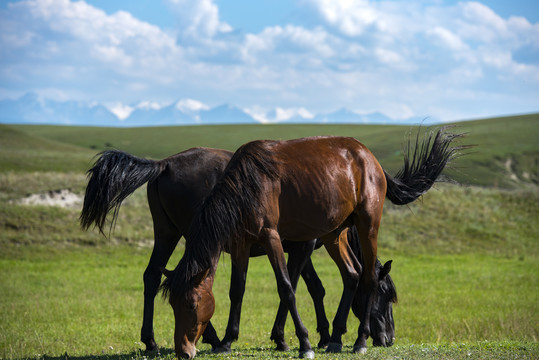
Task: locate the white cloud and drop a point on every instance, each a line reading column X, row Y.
column 112, row 54
column 447, row 38
column 412, row 57
column 278, row 114
column 352, row 17
column 121, row 111
column 287, row 40
column 190, row 105
column 480, row 22
column 388, row 56
column 75, row 31
column 147, row 105
column 199, row 18
column 286, row 114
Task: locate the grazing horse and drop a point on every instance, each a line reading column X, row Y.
column 177, row 186
column 296, row 190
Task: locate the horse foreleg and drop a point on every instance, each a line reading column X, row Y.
column 317, row 291
column 240, row 263
column 272, row 244
column 209, row 336
column 341, row 253
column 368, row 233
column 298, row 255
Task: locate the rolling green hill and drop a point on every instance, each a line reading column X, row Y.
column 507, row 152
column 37, row 159
column 23, row 151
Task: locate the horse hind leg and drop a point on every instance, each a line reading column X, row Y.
column 317, row 292
column 166, row 237
column 162, row 251
column 271, row 241
column 298, row 255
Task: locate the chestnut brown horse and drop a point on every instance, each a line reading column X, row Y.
column 298, row 190
column 177, row 186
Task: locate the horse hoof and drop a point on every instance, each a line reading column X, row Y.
column 360, row 349
column 334, row 348
column 282, row 347
column 323, row 343
column 151, row 346
column 221, row 350
column 309, row 354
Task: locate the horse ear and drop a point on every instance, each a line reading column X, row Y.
column 385, row 270
column 199, row 278
column 165, row 272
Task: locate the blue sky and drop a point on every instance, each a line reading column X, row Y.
column 275, row 59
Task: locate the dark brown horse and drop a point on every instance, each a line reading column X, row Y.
column 298, row 190
column 177, row 186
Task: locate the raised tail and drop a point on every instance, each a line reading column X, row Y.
column 423, row 167
column 113, row 177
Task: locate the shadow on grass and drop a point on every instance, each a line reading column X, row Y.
column 133, row 355
column 165, row 354
column 483, row 350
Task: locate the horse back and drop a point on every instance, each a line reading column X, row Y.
column 185, row 182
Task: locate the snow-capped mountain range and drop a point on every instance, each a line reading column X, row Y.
column 32, row 109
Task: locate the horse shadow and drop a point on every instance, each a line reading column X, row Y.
column 139, row 354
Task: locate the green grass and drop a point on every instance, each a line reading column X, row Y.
column 86, row 301
column 465, row 258
column 459, row 281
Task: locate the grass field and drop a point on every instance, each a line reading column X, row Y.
column 465, row 257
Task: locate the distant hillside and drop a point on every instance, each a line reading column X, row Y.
column 22, row 151
column 506, row 155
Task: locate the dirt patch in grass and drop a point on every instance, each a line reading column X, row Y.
column 62, row 198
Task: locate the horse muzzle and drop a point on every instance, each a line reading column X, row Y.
column 383, row 341
column 186, row 352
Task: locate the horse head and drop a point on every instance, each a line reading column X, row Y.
column 193, row 308
column 382, row 324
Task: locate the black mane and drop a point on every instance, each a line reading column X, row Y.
column 227, row 214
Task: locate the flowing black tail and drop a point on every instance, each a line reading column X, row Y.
column 423, row 167
column 114, row 176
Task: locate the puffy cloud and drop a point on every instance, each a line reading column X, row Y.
column 287, row 40
column 64, row 32
column 121, row 111
column 199, row 18
column 479, row 22
column 447, row 38
column 278, row 114
column 352, row 17
column 190, row 105
column 375, row 55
